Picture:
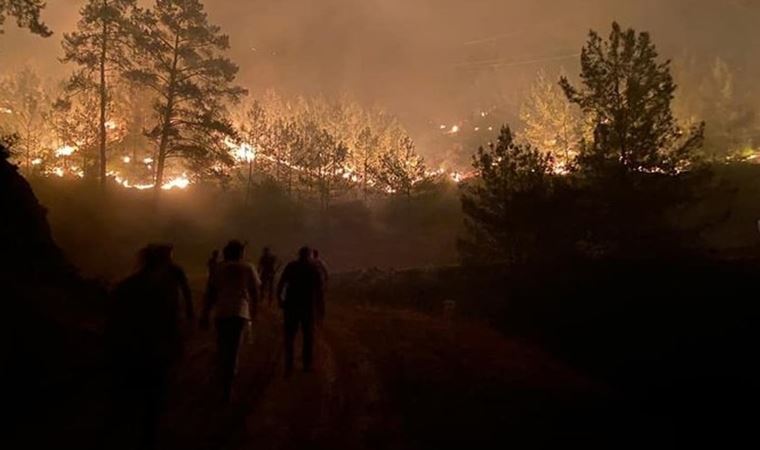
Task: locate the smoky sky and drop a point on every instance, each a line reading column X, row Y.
column 429, row 60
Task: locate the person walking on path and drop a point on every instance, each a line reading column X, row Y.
column 144, row 340
column 233, row 293
column 298, row 293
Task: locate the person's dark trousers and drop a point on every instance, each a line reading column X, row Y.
column 293, row 321
column 228, row 331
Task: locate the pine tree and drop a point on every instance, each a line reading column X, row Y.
column 505, row 206
column 399, row 169
column 133, row 104
column 322, row 159
column 24, row 104
column 285, row 146
column 99, row 47
column 27, row 15
column 181, row 59
column 74, row 122
column 364, row 158
column 626, row 94
column 552, row 124
column 256, row 134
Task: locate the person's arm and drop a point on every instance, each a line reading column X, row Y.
column 187, row 294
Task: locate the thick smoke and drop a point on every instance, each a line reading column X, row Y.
column 431, row 61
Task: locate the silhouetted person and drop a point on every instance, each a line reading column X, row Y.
column 233, row 292
column 301, row 283
column 144, row 338
column 267, row 272
column 324, row 275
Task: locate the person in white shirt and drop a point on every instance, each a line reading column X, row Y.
column 233, row 294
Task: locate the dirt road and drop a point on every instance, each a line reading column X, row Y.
column 386, row 379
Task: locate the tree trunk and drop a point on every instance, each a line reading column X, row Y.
column 163, row 146
column 103, row 105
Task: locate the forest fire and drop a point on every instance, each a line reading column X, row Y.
column 478, row 228
column 244, row 152
column 181, row 182
column 66, row 150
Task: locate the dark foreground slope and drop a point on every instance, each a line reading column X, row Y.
column 49, row 315
column 676, row 340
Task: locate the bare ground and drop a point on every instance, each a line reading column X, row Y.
column 385, row 379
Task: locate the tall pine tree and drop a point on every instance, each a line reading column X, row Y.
column 99, row 47
column 182, row 60
column 626, row 94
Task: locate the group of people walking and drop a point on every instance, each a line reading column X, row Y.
column 144, row 331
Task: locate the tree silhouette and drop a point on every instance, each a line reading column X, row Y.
column 504, row 206
column 99, row 47
column 399, row 169
column 364, row 157
column 256, row 133
column 626, row 94
column 27, row 15
column 322, row 159
column 181, row 60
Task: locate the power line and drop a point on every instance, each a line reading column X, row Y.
column 495, row 38
column 536, row 27
column 502, row 63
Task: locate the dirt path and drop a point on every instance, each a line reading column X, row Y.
column 384, row 379
column 334, row 407
column 401, row 380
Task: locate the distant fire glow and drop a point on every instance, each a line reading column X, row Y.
column 181, row 182
column 66, row 150
column 245, row 152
